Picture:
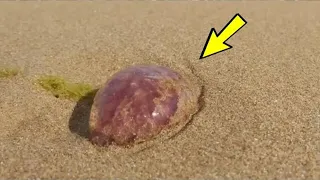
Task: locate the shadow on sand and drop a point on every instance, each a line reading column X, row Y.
column 79, row 120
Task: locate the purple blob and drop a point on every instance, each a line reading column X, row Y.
column 136, row 103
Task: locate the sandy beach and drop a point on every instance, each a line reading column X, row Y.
column 260, row 117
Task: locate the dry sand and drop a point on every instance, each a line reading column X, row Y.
column 261, row 115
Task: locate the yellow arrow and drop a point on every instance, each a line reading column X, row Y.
column 217, row 42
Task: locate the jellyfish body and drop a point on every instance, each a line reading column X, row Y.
column 138, row 103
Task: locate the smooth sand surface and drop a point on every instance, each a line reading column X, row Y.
column 261, row 113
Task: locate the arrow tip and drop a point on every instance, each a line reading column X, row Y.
column 214, row 48
column 214, row 45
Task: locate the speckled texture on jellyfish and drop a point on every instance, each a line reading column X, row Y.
column 140, row 102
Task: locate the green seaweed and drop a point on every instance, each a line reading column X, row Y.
column 60, row 88
column 7, row 73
